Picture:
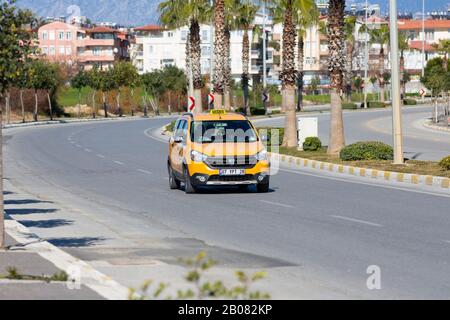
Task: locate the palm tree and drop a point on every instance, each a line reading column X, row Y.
column 403, row 45
column 381, row 37
column 349, row 30
column 246, row 13
column 219, row 52
column 178, row 13
column 336, row 67
column 443, row 48
column 289, row 9
column 230, row 23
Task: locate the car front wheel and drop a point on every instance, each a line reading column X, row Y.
column 174, row 183
column 188, row 187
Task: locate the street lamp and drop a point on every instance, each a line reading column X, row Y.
column 395, row 74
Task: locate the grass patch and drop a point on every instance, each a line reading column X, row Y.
column 411, row 166
column 14, row 274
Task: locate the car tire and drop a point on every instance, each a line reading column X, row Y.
column 243, row 188
column 174, row 183
column 262, row 187
column 188, row 187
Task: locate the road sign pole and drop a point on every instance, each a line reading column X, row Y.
column 396, row 105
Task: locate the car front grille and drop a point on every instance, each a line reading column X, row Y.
column 244, row 162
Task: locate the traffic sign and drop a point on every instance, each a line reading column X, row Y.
column 210, row 99
column 192, row 105
column 422, row 92
column 265, row 97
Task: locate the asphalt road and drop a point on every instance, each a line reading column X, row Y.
column 316, row 235
column 419, row 142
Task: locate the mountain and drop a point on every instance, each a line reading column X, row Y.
column 125, row 12
column 140, row 12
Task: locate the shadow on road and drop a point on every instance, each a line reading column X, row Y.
column 52, row 223
column 28, row 211
column 76, row 242
column 25, row 201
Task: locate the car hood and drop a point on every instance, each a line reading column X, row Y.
column 228, row 149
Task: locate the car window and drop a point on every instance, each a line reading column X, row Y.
column 222, row 131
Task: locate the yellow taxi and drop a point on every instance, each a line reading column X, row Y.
column 217, row 149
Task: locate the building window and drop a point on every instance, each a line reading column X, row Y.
column 96, row 51
column 44, row 35
column 51, row 50
column 68, row 51
column 68, row 35
column 51, row 35
column 205, row 34
column 429, row 35
column 44, row 50
column 167, row 62
column 205, row 50
column 62, row 51
column 184, row 35
column 169, row 34
column 61, row 35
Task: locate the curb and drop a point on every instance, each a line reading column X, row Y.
column 429, row 125
column 415, row 179
column 90, row 277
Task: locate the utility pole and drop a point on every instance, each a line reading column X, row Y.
column 264, row 52
column 424, row 38
column 366, row 56
column 211, row 52
column 395, row 71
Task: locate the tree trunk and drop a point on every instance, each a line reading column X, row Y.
column 119, row 109
column 79, row 103
column 144, row 101
column 288, row 78
column 227, row 70
column 402, row 77
column 245, row 64
column 336, row 66
column 349, row 71
column 2, row 217
column 105, row 106
column 132, row 102
column 337, row 140
column 94, row 111
column 219, row 52
column 169, row 107
column 50, row 106
column 290, row 133
column 300, row 74
column 8, row 107
column 22, row 105
column 196, row 51
column 35, row 113
column 381, row 78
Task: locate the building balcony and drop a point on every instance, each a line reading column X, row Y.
column 95, row 58
column 88, row 42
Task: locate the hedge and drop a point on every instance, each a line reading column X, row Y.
column 409, row 102
column 268, row 132
column 367, row 150
column 312, row 144
column 445, row 163
column 349, row 106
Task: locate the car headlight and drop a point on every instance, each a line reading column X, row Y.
column 198, row 156
column 262, row 155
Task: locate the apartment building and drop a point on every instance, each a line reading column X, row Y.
column 155, row 47
column 85, row 47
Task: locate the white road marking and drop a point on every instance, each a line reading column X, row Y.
column 447, row 241
column 144, row 171
column 118, row 162
column 277, row 204
column 78, row 146
column 87, row 150
column 357, row 221
column 72, row 142
column 100, row 155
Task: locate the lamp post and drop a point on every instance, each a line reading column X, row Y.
column 264, row 53
column 366, row 56
column 395, row 71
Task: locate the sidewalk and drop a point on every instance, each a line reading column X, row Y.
column 30, row 263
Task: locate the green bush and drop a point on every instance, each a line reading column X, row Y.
column 445, row 163
column 376, row 104
column 367, row 150
column 257, row 111
column 409, row 102
column 267, row 131
column 171, row 126
column 312, row 144
column 349, row 106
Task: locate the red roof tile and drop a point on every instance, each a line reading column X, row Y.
column 102, row 30
column 149, row 27
column 429, row 24
column 417, row 45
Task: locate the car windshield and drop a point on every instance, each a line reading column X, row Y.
column 222, row 131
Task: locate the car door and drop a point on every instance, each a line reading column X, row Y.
column 178, row 144
column 173, row 146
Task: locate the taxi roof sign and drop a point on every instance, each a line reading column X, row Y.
column 217, row 112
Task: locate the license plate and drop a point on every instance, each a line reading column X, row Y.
column 232, row 172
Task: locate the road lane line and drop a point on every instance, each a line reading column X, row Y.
column 144, row 171
column 357, row 221
column 100, row 155
column 87, row 150
column 78, row 146
column 277, row 204
column 118, row 162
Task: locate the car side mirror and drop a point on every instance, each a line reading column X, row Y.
column 178, row 139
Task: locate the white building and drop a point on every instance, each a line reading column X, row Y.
column 156, row 47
